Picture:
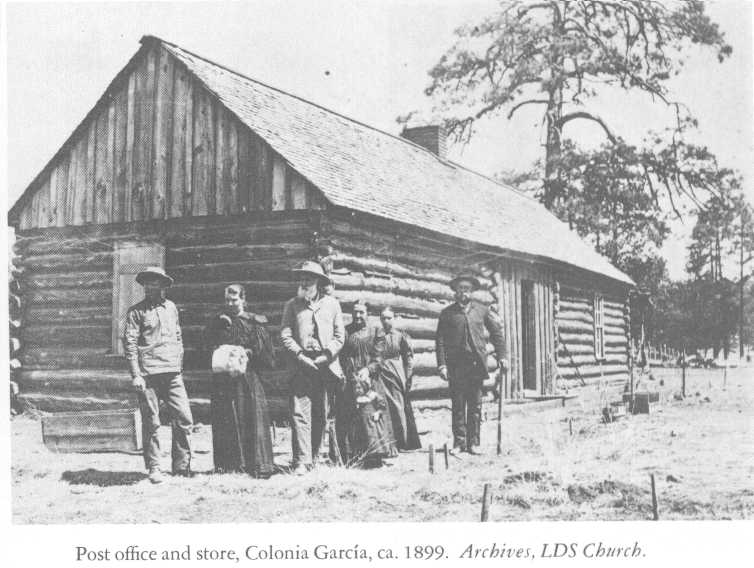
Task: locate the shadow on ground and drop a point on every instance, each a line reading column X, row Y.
column 102, row 478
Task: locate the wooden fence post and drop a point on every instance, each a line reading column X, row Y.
column 445, row 453
column 486, row 499
column 683, row 374
column 655, row 512
column 431, row 458
column 503, row 380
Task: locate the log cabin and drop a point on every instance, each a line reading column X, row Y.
column 221, row 178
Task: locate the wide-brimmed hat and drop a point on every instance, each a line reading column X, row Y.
column 314, row 269
column 154, row 271
column 465, row 277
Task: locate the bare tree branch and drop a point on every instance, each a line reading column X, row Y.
column 588, row 116
column 527, row 102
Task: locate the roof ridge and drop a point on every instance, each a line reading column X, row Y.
column 302, row 99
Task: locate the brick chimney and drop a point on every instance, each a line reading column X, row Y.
column 431, row 137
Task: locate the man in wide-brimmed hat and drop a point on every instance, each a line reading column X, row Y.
column 154, row 350
column 462, row 358
column 312, row 332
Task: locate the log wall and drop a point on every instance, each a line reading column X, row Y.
column 67, row 277
column 388, row 265
column 68, row 298
column 158, row 145
column 576, row 357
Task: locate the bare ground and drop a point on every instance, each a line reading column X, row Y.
column 701, row 450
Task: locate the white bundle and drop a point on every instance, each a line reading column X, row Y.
column 230, row 359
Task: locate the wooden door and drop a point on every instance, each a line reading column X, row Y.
column 528, row 336
column 129, row 259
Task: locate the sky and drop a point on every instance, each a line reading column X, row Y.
column 364, row 59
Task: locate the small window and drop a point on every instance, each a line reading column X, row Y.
column 599, row 327
column 129, row 259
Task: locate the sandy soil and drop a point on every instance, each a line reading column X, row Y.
column 700, row 448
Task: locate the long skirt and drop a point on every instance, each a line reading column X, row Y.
column 401, row 412
column 241, row 439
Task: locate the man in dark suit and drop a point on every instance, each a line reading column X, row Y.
column 462, row 358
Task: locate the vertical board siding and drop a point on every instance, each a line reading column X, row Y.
column 163, row 134
column 203, row 175
column 53, row 198
column 62, row 190
column 120, row 127
column 130, row 139
column 278, row 184
column 100, row 213
column 245, row 177
column 221, row 140
column 181, row 142
column 79, row 203
column 143, row 136
column 161, row 146
column 70, row 197
column 298, row 191
column 43, row 203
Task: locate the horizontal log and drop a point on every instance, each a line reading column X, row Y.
column 433, row 387
column 586, row 359
column 575, row 304
column 614, row 330
column 405, row 286
column 372, row 264
column 69, row 315
column 265, row 270
column 587, row 371
column 575, row 349
column 201, row 313
column 426, row 363
column 616, row 314
column 571, row 315
column 424, row 259
column 67, row 336
column 30, row 248
column 401, row 304
column 108, row 382
column 47, row 402
column 69, row 297
column 83, row 280
column 52, row 357
column 265, row 291
column 576, row 338
column 234, row 253
column 66, row 262
column 575, row 326
column 269, row 233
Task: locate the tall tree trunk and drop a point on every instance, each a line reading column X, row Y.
column 552, row 188
column 741, row 292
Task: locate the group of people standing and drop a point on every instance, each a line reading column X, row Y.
column 357, row 378
column 359, row 375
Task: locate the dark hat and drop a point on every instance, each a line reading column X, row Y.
column 154, row 271
column 465, row 277
column 313, row 269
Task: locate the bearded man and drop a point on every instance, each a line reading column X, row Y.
column 461, row 350
column 312, row 332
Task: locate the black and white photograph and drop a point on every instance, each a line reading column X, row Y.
column 397, row 262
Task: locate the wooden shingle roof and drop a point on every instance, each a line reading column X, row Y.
column 365, row 169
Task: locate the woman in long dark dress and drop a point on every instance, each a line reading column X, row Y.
column 396, row 365
column 241, row 438
column 365, row 434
